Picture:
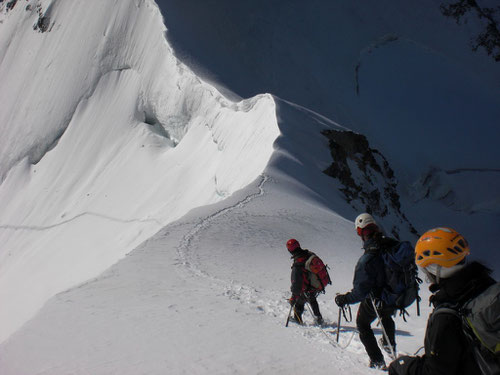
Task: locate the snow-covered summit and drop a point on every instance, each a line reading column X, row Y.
column 106, row 137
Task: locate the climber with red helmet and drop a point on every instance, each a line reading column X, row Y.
column 441, row 253
column 301, row 288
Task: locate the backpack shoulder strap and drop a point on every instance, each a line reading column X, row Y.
column 447, row 309
column 309, row 253
column 300, row 257
column 310, row 257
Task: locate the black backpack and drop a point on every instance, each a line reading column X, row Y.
column 480, row 319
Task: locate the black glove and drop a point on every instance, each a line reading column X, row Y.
column 341, row 300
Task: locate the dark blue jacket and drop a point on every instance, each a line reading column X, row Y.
column 369, row 275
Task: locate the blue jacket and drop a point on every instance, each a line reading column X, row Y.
column 369, row 275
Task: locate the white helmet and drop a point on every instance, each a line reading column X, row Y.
column 364, row 220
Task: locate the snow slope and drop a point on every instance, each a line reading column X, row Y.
column 207, row 294
column 144, row 215
column 106, row 138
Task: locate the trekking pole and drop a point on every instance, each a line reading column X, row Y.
column 342, row 311
column 393, row 355
column 338, row 323
column 289, row 314
column 419, row 281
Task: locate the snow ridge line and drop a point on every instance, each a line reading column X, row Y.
column 319, row 118
column 95, row 214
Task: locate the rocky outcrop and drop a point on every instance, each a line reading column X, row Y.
column 464, row 190
column 11, row 4
column 43, row 23
column 368, row 182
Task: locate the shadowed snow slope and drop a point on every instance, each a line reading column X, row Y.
column 398, row 72
column 106, row 138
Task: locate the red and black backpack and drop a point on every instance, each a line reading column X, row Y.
column 317, row 272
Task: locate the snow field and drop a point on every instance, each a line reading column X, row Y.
column 206, row 294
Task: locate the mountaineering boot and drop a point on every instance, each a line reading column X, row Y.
column 386, row 346
column 293, row 319
column 319, row 320
column 378, row 365
column 296, row 318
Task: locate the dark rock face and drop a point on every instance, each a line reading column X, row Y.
column 43, row 23
column 11, row 4
column 368, row 181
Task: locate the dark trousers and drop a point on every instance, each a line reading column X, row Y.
column 366, row 315
column 307, row 297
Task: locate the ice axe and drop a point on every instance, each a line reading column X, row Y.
column 386, row 337
column 342, row 311
column 338, row 323
column 289, row 314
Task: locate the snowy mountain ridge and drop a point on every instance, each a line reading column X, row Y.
column 102, row 150
column 144, row 214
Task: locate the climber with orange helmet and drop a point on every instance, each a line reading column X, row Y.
column 442, row 255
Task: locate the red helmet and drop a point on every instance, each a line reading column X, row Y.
column 292, row 245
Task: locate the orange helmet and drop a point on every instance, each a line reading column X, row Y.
column 442, row 246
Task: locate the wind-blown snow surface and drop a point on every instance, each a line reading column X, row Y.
column 106, row 138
